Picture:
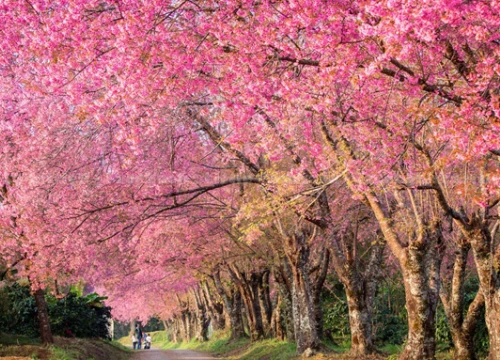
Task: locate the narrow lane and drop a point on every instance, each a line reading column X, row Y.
column 156, row 354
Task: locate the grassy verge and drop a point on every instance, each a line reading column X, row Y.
column 270, row 349
column 63, row 349
column 220, row 345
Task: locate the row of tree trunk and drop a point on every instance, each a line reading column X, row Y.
column 242, row 302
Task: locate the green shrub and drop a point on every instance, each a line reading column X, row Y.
column 20, row 317
column 335, row 311
column 389, row 313
column 71, row 316
column 84, row 316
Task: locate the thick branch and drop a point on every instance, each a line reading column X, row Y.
column 216, row 137
column 443, row 201
column 432, row 88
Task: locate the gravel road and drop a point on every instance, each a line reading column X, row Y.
column 155, row 354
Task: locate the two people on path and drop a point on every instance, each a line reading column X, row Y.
column 139, row 338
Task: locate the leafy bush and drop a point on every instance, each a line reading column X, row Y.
column 71, row 316
column 20, row 315
column 335, row 311
column 389, row 313
column 84, row 316
column 443, row 333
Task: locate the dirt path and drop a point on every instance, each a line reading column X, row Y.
column 155, row 354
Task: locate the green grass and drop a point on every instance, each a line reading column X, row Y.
column 339, row 346
column 119, row 345
column 7, row 339
column 63, row 349
column 63, row 354
column 270, row 349
column 220, row 345
column 391, row 349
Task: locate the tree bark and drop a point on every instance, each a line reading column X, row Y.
column 43, row 317
column 462, row 329
column 464, row 340
column 276, row 324
column 359, row 322
column 421, row 277
column 132, row 327
column 285, row 308
column 185, row 329
column 232, row 306
column 249, row 289
column 360, row 278
column 203, row 321
column 265, row 301
column 304, row 317
column 176, row 333
column 215, row 307
column 488, row 267
column 318, row 282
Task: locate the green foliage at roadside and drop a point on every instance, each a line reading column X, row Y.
column 71, row 316
column 390, row 326
column 220, row 345
column 19, row 316
column 84, row 316
column 13, row 339
column 63, row 349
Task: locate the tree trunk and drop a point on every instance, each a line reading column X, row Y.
column 202, row 320
column 176, row 333
column 285, row 308
column 487, row 269
column 132, row 327
column 193, row 324
column 359, row 321
column 323, row 264
column 304, row 319
column 169, row 329
column 43, row 317
column 237, row 328
column 232, row 306
column 421, row 281
column 306, row 333
column 462, row 330
column 276, row 324
column 463, row 338
column 249, row 289
column 186, row 325
column 361, row 286
column 265, row 301
column 215, row 307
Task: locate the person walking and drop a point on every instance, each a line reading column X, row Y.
column 134, row 341
column 138, row 333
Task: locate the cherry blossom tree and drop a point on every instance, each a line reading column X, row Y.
column 122, row 119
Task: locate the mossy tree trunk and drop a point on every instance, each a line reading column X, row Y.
column 461, row 328
column 249, row 287
column 232, row 306
column 421, row 275
column 43, row 317
column 488, row 269
column 360, row 279
column 215, row 306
